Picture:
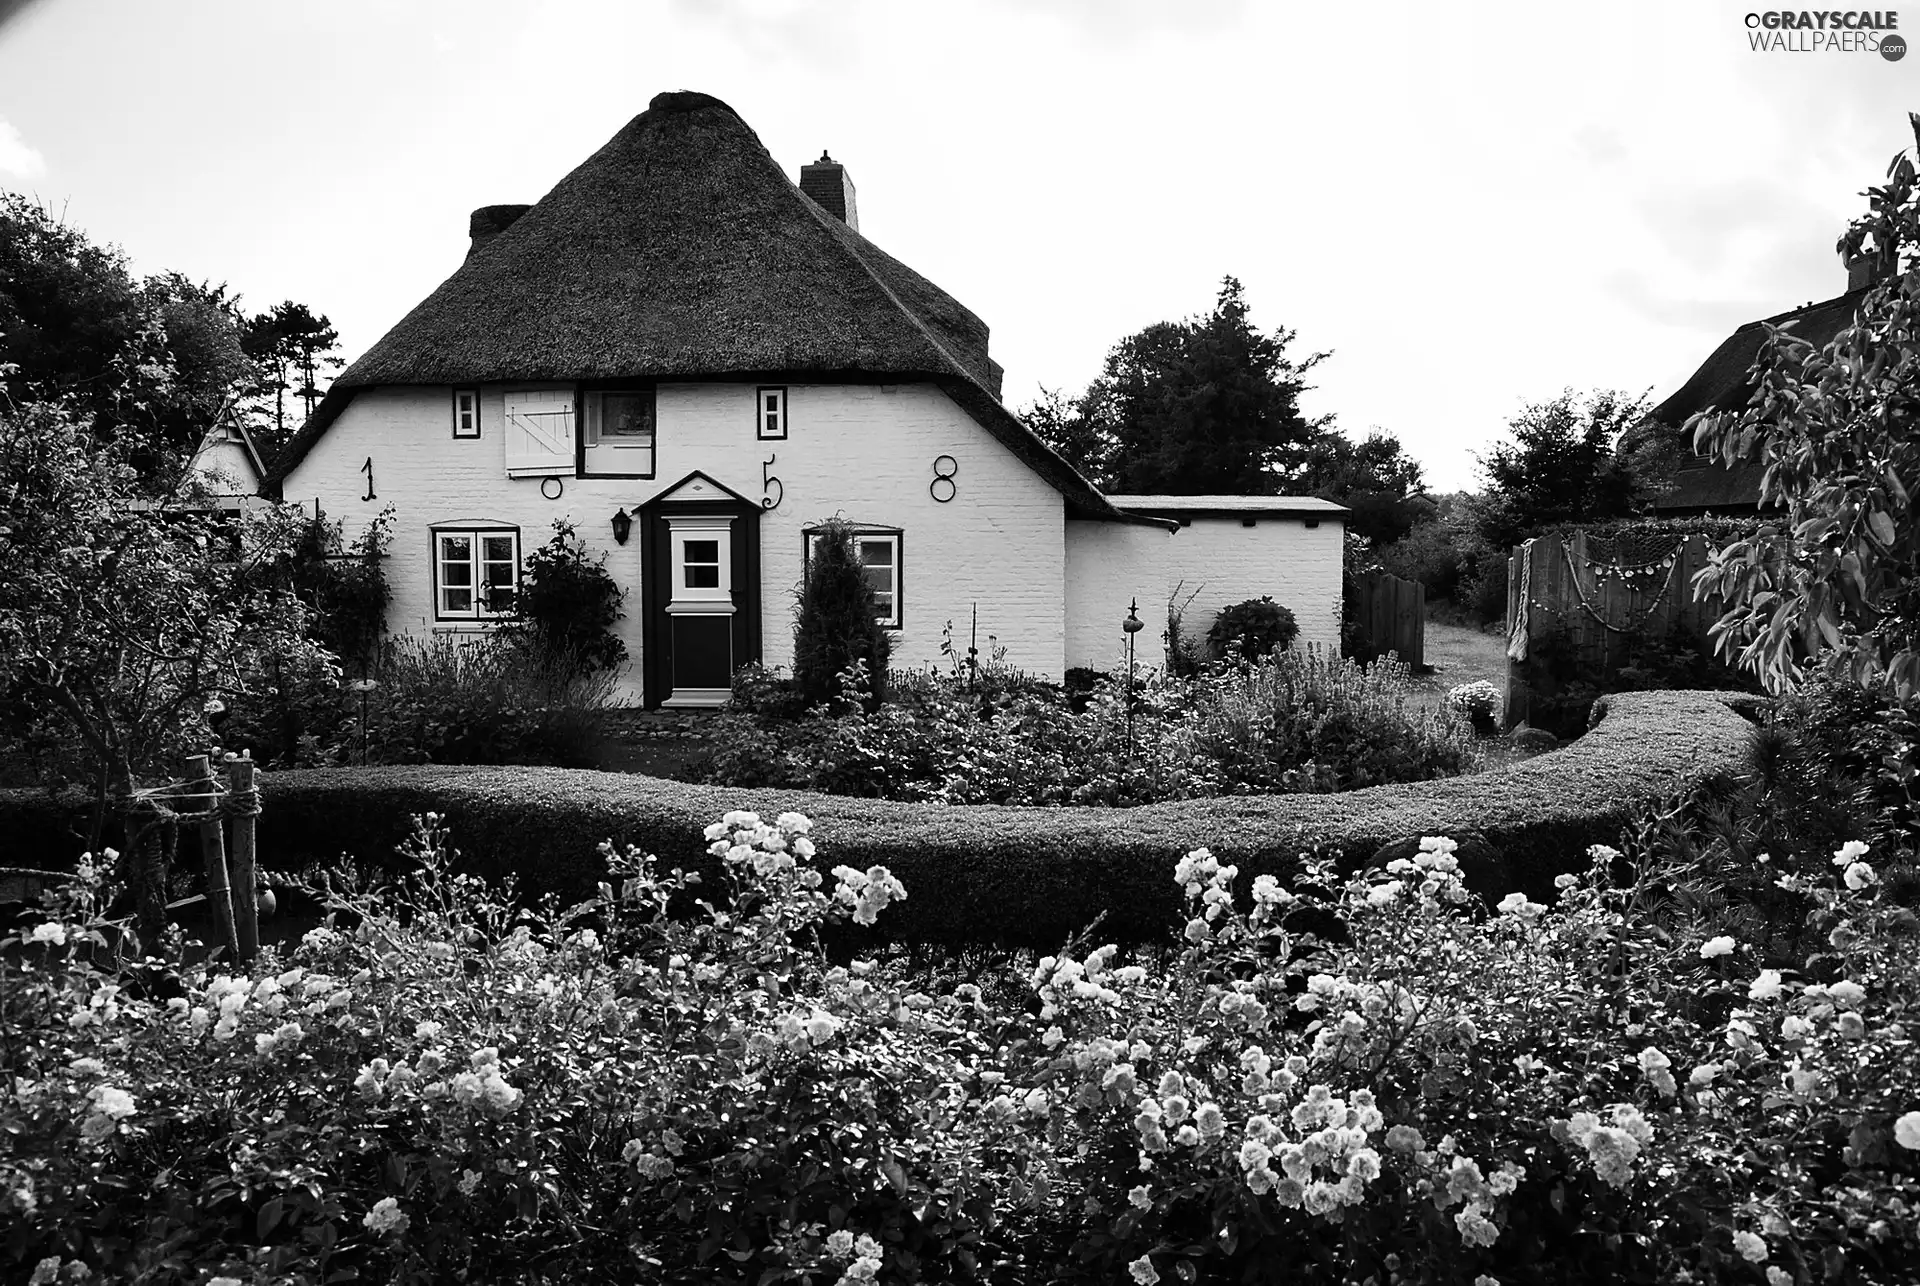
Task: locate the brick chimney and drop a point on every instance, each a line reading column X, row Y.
column 827, row 183
column 489, row 221
column 1865, row 267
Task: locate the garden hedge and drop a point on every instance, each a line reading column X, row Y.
column 994, row 874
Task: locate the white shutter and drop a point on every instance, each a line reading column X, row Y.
column 539, row 434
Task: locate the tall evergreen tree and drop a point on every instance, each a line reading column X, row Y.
column 292, row 348
column 1207, row 405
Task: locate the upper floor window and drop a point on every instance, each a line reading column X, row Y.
column 772, row 412
column 619, row 437
column 476, row 571
column 466, row 413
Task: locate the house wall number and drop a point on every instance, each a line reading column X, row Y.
column 943, row 488
column 367, row 469
column 771, row 492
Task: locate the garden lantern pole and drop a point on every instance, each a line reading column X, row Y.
column 1132, row 626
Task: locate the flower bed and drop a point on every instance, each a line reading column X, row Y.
column 442, row 1088
column 1289, row 722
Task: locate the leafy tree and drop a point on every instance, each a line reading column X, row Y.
column 1560, row 467
column 568, row 603
column 1375, row 478
column 1062, row 423
column 292, row 348
column 119, row 617
column 1208, row 405
column 1838, row 571
column 153, row 362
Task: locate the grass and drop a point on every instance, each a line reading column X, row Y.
column 1459, row 654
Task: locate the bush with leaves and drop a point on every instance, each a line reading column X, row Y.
column 1252, row 629
column 121, row 616
column 495, row 700
column 1836, row 565
column 1363, row 1076
column 1293, row 721
column 836, row 621
column 441, row 1086
column 568, row 603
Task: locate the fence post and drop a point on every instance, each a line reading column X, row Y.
column 246, row 907
column 213, row 848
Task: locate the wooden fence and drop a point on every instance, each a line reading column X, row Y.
column 1390, row 615
column 1575, row 606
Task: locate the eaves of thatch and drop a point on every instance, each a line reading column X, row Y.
column 681, row 251
column 1723, row 383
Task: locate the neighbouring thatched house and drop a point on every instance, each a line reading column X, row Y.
column 696, row 361
column 1703, row 486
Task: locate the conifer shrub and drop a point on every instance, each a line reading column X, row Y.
column 836, row 625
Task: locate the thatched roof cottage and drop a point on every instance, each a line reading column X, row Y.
column 696, row 360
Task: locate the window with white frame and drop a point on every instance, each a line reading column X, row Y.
column 772, row 413
column 879, row 550
column 476, row 571
column 466, row 413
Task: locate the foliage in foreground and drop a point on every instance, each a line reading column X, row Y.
column 1836, row 566
column 1291, row 722
column 1369, row 1078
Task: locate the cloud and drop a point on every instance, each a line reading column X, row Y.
column 16, row 158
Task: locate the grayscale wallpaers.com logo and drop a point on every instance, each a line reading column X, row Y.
column 1862, row 31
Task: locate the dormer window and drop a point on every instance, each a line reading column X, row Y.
column 772, row 413
column 466, row 413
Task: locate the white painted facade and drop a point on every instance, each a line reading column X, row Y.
column 1215, row 559
column 862, row 452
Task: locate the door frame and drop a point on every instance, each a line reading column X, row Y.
column 695, row 496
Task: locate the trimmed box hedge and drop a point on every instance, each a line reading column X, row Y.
column 992, row 874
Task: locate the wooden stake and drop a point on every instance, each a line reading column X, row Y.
column 213, row 847
column 246, row 906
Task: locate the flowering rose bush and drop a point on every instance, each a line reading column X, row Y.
column 1558, row 1093
column 647, row 1086
column 1362, row 1077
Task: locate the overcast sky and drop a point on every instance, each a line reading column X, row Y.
column 1471, row 205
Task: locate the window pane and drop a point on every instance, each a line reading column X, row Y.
column 627, row 415
column 456, row 547
column 456, row 600
column 499, row 573
column 703, row 577
column 456, row 573
column 703, row 551
column 498, row 548
column 876, row 553
column 881, row 578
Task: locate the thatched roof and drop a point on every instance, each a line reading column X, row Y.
column 1722, row 384
column 681, row 250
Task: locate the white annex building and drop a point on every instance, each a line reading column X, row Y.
column 696, row 361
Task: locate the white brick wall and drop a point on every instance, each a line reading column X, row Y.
column 1108, row 565
column 865, row 452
